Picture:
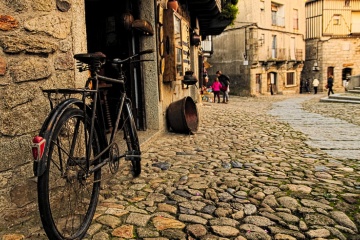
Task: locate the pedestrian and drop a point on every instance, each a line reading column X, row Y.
column 315, row 84
column 225, row 82
column 330, row 84
column 206, row 82
column 301, row 85
column 216, row 86
column 307, row 85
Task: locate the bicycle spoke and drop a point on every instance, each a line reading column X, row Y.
column 71, row 194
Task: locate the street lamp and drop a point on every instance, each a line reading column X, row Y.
column 315, row 67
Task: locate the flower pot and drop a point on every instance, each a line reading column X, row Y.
column 173, row 4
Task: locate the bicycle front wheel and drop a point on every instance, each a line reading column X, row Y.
column 132, row 140
column 67, row 197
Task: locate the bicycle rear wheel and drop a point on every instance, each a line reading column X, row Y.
column 67, row 198
column 132, row 140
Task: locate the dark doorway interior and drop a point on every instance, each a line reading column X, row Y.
column 108, row 32
column 346, row 73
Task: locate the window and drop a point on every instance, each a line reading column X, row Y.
column 336, row 19
column 295, row 19
column 277, row 15
column 355, row 22
column 290, row 78
column 273, row 47
column 273, row 14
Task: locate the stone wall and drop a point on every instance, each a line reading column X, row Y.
column 338, row 53
column 36, row 51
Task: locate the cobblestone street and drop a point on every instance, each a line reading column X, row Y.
column 248, row 173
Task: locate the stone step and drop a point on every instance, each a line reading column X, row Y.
column 341, row 98
column 356, row 90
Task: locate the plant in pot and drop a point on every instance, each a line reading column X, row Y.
column 229, row 11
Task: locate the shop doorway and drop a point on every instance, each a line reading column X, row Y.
column 272, row 82
column 108, row 31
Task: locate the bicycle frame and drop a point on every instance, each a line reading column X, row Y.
column 73, row 145
column 122, row 100
column 40, row 148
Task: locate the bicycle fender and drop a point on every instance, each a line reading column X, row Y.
column 46, row 131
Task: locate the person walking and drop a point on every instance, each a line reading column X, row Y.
column 315, row 84
column 216, row 86
column 330, row 84
column 301, row 85
column 307, row 85
column 225, row 82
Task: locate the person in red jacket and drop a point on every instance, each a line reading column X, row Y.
column 216, row 86
column 225, row 81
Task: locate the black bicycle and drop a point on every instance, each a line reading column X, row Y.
column 77, row 139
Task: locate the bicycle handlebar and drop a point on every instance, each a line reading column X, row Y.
column 118, row 60
column 107, row 79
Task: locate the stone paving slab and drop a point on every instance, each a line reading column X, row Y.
column 334, row 136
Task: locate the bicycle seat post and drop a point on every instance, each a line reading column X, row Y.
column 121, row 72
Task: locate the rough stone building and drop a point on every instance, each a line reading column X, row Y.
column 38, row 39
column 332, row 41
column 264, row 51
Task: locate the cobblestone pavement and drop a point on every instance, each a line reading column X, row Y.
column 246, row 174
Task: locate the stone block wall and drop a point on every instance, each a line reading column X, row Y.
column 36, row 51
column 338, row 53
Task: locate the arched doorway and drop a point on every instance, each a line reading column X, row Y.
column 108, row 31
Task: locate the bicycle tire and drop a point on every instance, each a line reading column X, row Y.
column 132, row 139
column 67, row 200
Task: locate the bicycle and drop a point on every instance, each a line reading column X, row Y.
column 74, row 144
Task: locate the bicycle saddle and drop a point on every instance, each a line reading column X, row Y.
column 89, row 58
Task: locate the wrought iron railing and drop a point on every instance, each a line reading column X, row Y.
column 299, row 55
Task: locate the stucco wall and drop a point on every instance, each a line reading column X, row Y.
column 37, row 42
column 229, row 49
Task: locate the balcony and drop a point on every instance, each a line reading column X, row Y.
column 207, row 46
column 278, row 21
column 299, row 55
column 276, row 54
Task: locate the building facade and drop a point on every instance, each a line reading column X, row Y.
column 332, row 41
column 37, row 42
column 264, row 51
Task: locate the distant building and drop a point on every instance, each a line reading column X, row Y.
column 332, row 40
column 264, row 51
